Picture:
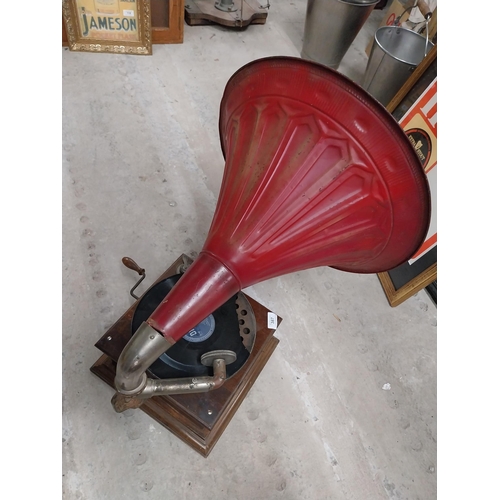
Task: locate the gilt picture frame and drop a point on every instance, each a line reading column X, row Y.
column 112, row 26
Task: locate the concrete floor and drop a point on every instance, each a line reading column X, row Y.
column 142, row 167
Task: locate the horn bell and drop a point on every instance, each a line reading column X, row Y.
column 317, row 173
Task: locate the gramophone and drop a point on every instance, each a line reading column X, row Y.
column 317, row 173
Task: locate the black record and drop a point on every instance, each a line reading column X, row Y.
column 220, row 330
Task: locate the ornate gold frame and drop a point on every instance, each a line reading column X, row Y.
column 78, row 43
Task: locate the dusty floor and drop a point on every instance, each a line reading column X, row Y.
column 142, row 167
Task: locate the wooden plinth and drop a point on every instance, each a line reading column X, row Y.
column 200, row 12
column 197, row 419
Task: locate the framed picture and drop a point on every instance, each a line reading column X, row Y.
column 167, row 22
column 415, row 107
column 117, row 26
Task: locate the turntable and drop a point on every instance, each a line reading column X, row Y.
column 317, row 173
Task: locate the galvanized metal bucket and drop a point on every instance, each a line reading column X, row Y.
column 330, row 28
column 396, row 52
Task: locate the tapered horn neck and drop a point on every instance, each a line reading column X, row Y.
column 205, row 286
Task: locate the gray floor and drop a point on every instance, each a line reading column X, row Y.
column 142, row 167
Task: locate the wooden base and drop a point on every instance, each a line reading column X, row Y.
column 201, row 12
column 197, row 419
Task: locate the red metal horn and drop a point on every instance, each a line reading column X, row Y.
column 317, row 173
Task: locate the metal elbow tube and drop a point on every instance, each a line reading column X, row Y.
column 186, row 385
column 145, row 347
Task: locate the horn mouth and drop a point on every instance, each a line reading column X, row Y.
column 309, row 150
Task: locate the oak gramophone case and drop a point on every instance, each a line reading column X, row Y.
column 317, row 173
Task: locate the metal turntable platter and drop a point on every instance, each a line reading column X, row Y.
column 230, row 327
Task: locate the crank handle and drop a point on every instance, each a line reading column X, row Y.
column 131, row 264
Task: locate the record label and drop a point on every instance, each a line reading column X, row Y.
column 202, row 331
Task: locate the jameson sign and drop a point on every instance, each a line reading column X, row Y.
column 108, row 24
column 108, row 19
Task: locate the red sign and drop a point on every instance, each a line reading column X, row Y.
column 420, row 126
